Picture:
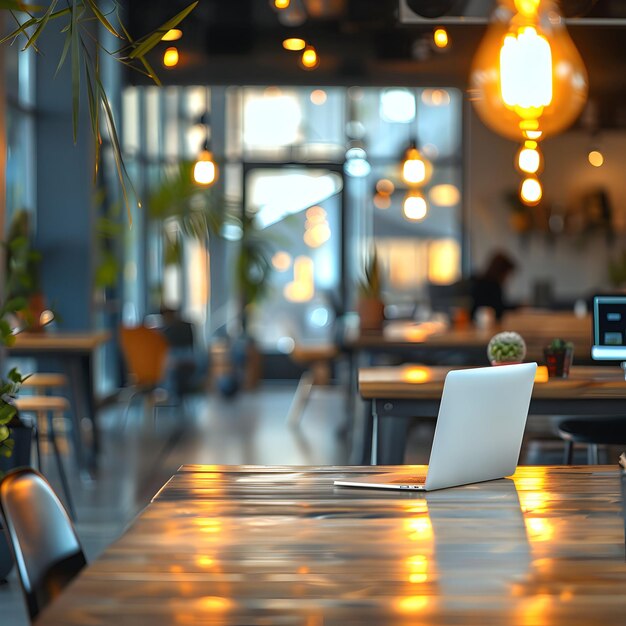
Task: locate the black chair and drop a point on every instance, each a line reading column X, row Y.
column 593, row 431
column 47, row 552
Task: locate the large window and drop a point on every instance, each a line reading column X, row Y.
column 314, row 175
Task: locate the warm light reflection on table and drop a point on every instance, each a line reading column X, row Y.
column 282, row 545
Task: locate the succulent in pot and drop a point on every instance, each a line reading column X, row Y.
column 506, row 347
column 559, row 355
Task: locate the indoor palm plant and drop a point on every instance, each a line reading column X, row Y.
column 370, row 305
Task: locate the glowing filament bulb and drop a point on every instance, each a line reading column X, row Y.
column 170, row 57
column 415, row 207
column 528, row 160
column 416, row 169
column 205, row 170
column 282, row 4
column 526, row 71
column 595, row 158
column 530, row 191
column 309, row 59
column 440, row 38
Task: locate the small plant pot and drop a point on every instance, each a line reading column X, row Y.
column 558, row 362
column 371, row 314
column 495, row 363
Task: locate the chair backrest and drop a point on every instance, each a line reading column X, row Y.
column 47, row 551
column 145, row 353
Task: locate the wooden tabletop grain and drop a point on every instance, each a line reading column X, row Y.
column 422, row 382
column 281, row 545
column 59, row 341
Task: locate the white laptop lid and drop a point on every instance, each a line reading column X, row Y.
column 480, row 425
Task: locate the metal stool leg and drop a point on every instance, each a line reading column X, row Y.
column 59, row 462
column 568, row 452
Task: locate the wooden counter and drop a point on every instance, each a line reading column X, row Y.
column 281, row 545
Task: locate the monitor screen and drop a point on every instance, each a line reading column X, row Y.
column 609, row 328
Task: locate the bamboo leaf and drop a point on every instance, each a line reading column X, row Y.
column 41, row 24
column 151, row 73
column 75, row 53
column 102, row 18
column 144, row 45
column 66, row 47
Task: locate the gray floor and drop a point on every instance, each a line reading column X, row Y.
column 251, row 429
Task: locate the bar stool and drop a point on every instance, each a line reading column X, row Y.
column 41, row 382
column 592, row 431
column 317, row 359
column 45, row 408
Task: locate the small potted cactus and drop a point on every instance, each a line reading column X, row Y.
column 559, row 355
column 370, row 305
column 505, row 348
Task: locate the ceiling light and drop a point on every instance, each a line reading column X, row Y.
column 170, row 57
column 444, row 195
column 172, row 34
column 416, row 169
column 596, row 158
column 440, row 38
column 294, row 43
column 530, row 191
column 527, row 80
column 309, row 59
column 527, row 76
column 205, row 169
column 282, row 4
column 414, row 206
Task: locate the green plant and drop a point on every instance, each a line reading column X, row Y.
column 8, row 392
column 253, row 266
column 370, row 286
column 75, row 19
column 22, row 261
column 108, row 231
column 559, row 345
column 506, row 347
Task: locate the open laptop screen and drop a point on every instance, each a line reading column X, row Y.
column 609, row 328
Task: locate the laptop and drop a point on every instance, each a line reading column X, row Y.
column 479, row 430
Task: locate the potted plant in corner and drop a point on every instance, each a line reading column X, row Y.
column 506, row 348
column 559, row 355
column 15, row 443
column 370, row 305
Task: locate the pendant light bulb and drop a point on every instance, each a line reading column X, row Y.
column 527, row 79
column 416, row 169
column 205, row 169
column 414, row 206
column 531, row 191
column 529, row 159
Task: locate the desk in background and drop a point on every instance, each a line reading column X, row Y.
column 399, row 394
column 281, row 545
column 74, row 353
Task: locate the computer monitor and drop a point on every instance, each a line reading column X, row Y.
column 609, row 328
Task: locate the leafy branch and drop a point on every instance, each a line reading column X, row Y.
column 75, row 22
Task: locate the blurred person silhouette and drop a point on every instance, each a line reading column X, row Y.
column 486, row 289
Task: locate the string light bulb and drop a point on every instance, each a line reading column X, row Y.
column 172, row 34
column 205, row 169
column 170, row 57
column 440, row 38
column 595, row 158
column 529, row 158
column 282, row 4
column 531, row 191
column 309, row 59
column 414, row 207
column 416, row 168
column 294, row 43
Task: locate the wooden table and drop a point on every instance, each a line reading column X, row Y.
column 74, row 353
column 430, row 338
column 414, row 391
column 281, row 545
